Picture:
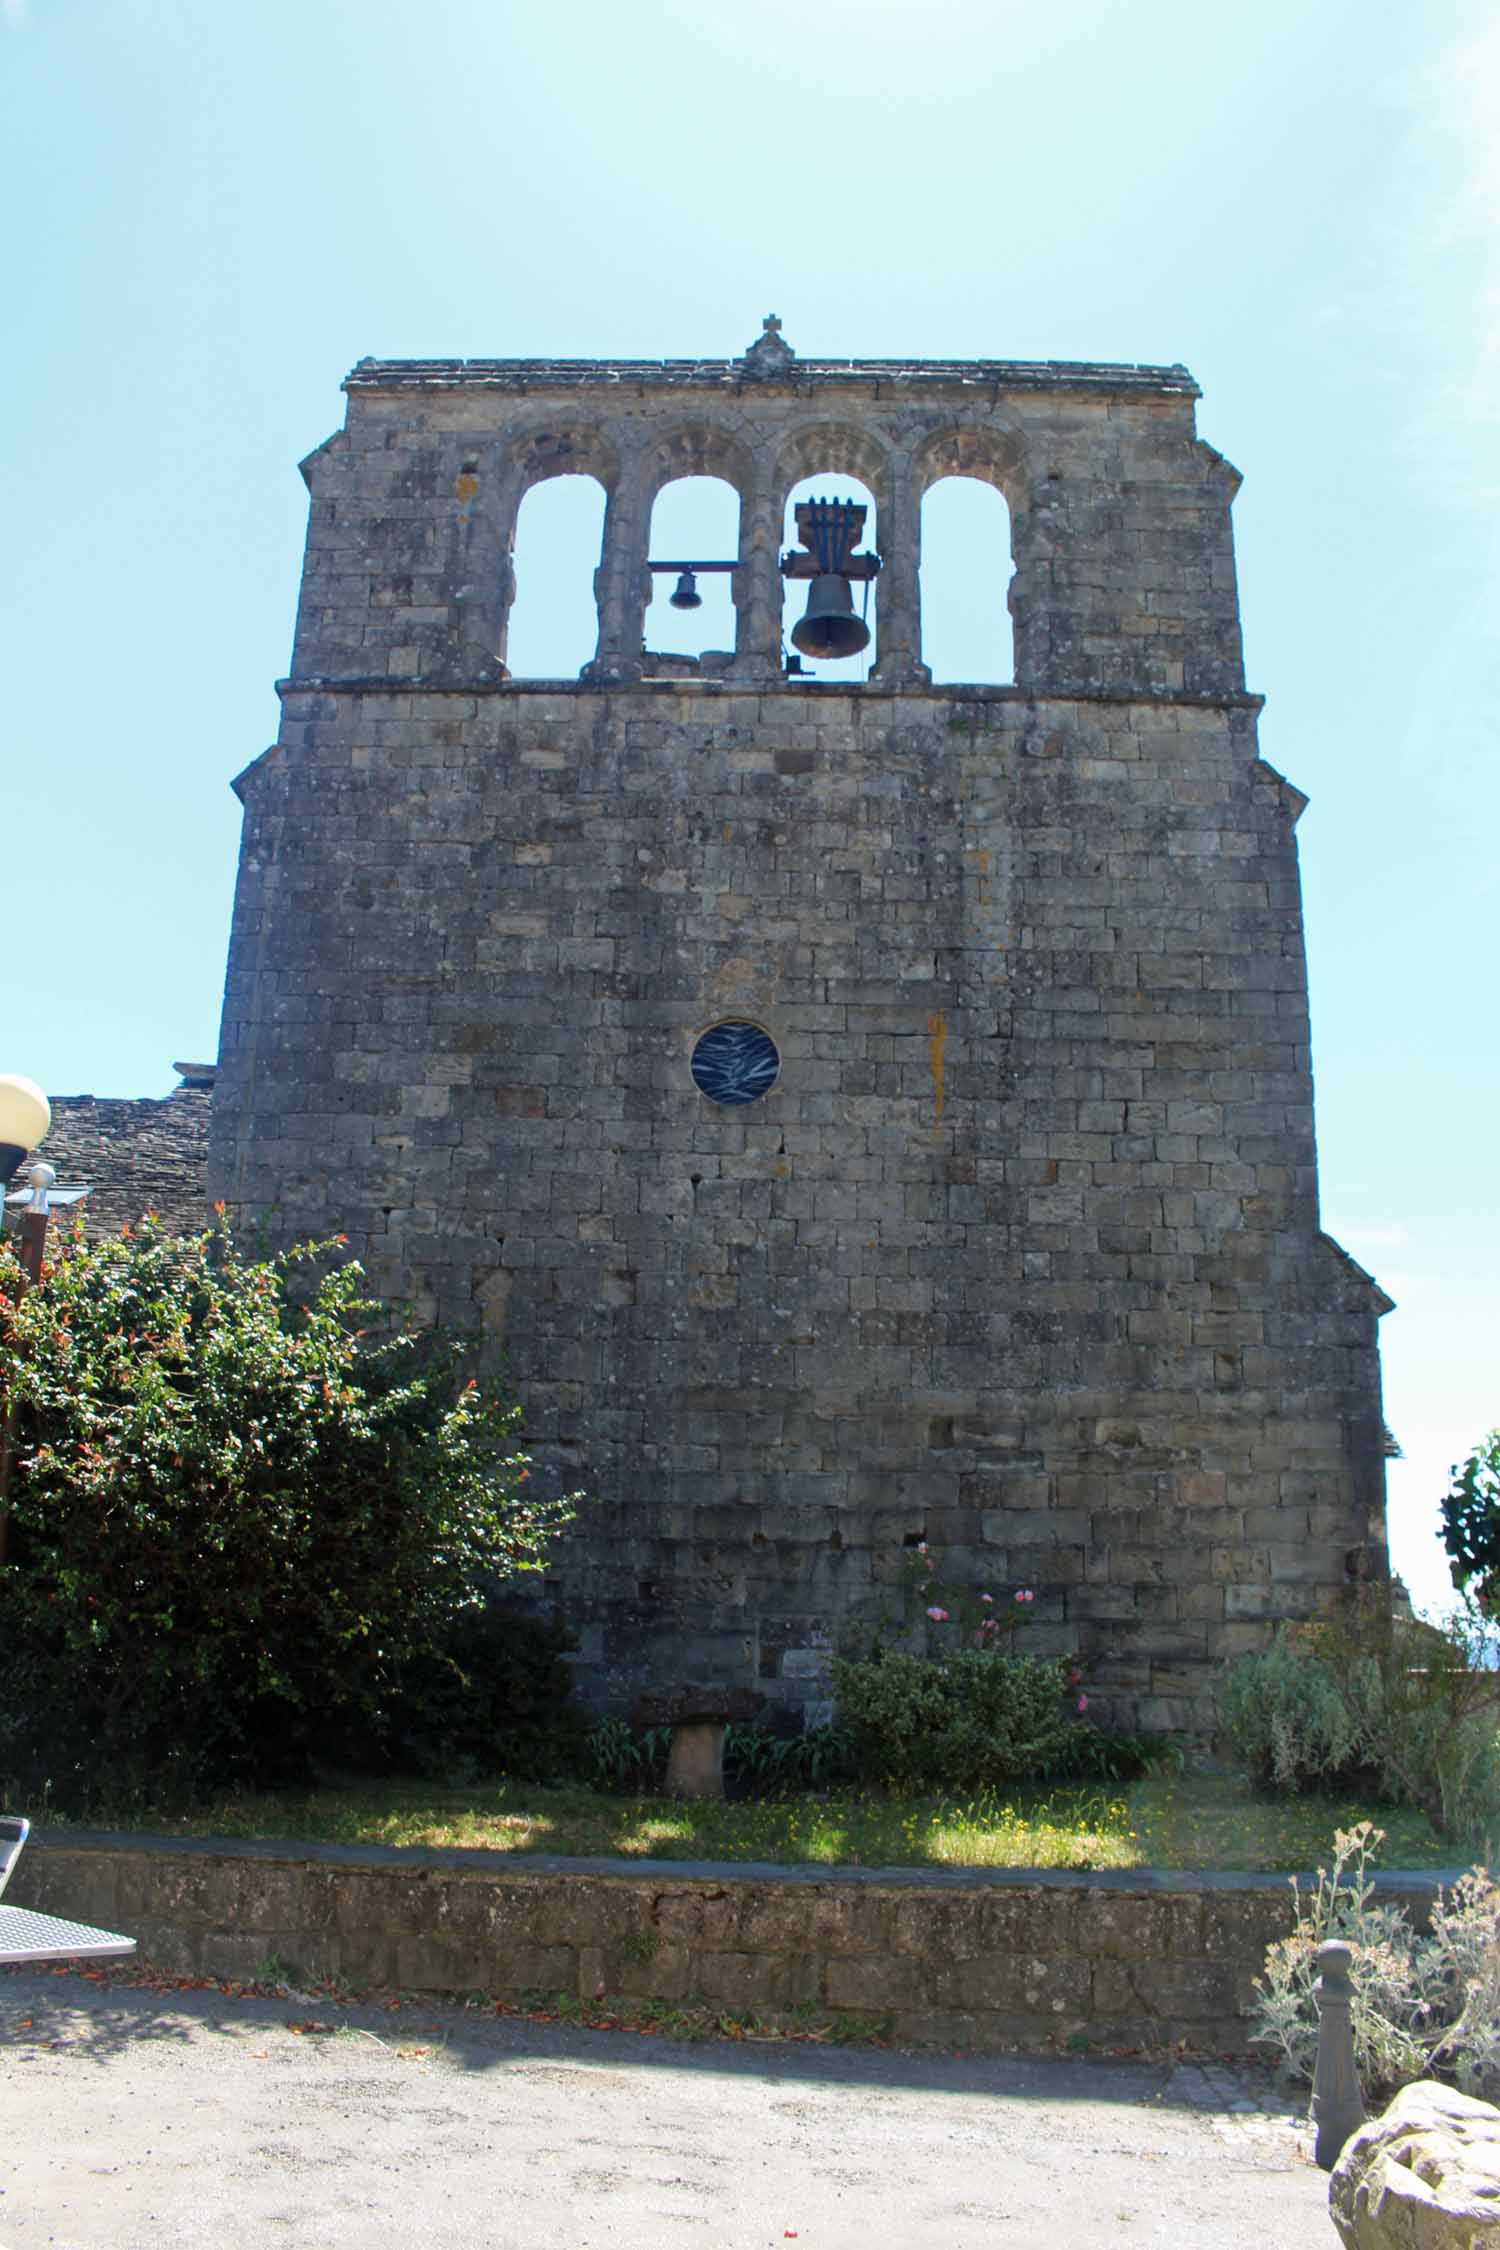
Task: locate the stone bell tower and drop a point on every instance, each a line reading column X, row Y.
column 859, row 1112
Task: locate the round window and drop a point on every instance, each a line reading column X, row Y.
column 735, row 1062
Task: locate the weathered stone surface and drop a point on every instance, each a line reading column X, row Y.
column 695, row 1760
column 1021, row 1252
column 976, row 1958
column 702, row 1704
column 136, row 1156
column 1425, row 2176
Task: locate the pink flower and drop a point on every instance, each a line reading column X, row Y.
column 1082, row 1703
column 986, row 1597
column 938, row 1616
column 921, row 1546
column 1020, row 1597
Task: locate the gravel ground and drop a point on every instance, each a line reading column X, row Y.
column 135, row 2117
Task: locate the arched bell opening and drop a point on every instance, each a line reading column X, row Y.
column 826, row 610
column 693, row 549
column 965, row 579
column 554, row 620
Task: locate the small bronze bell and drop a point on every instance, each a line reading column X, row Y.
column 686, row 595
column 829, row 628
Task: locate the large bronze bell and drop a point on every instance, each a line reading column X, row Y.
column 686, row 595
column 829, row 628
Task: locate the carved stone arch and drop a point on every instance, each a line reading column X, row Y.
column 838, row 448
column 532, row 455
column 522, row 458
column 992, row 455
column 696, row 449
column 834, row 448
column 563, row 448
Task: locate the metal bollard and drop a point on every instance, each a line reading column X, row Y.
column 1337, row 2104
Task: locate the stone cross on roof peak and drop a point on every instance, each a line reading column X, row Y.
column 770, row 352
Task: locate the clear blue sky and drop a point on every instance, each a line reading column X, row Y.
column 211, row 212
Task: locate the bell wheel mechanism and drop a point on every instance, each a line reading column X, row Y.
column 829, row 531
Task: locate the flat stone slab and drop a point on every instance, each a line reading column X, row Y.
column 696, row 1705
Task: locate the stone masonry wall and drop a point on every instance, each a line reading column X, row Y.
column 1021, row 1254
column 969, row 1958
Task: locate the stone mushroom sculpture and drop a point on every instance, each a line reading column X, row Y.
column 697, row 1716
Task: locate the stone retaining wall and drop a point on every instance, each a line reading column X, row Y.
column 967, row 1957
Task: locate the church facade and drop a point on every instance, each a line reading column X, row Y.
column 855, row 1113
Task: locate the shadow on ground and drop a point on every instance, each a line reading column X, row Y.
column 100, row 2016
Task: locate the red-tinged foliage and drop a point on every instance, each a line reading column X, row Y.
column 235, row 1517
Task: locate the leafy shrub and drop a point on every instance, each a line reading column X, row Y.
column 761, row 1763
column 1424, row 1699
column 1096, row 1754
column 962, row 1721
column 1374, row 1698
column 1471, row 1522
column 629, row 1759
column 234, row 1518
column 491, row 1695
column 1287, row 1720
column 757, row 1761
column 1425, row 2005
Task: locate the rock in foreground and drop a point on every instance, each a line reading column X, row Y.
column 1425, row 2176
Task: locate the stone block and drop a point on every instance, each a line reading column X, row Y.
column 1124, row 1926
column 755, row 1980
column 438, row 1964
column 704, row 1916
column 875, row 1986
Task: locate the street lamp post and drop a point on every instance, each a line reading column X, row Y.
column 25, row 1114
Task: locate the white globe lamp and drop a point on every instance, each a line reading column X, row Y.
column 25, row 1114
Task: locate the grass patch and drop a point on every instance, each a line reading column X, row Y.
column 1215, row 1821
column 1170, row 1820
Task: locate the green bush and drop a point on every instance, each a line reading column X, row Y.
column 967, row 1720
column 234, row 1518
column 1424, row 1698
column 758, row 1762
column 1426, row 2003
column 491, row 1695
column 632, row 1760
column 1287, row 1720
column 1373, row 1699
column 1096, row 1754
column 761, row 1763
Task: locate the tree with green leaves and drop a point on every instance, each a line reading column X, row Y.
column 239, row 1506
column 1471, row 1523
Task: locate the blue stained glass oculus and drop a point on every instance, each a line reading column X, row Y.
column 735, row 1062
